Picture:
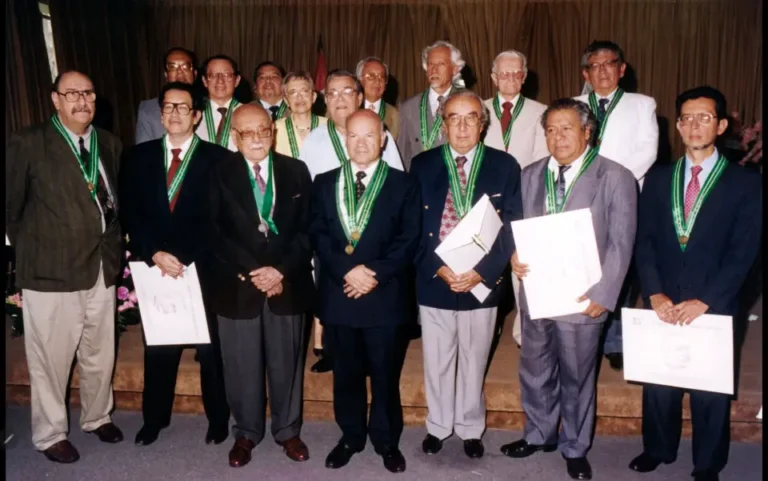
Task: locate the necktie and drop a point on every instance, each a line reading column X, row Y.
column 359, row 186
column 450, row 217
column 259, row 181
column 107, row 207
column 506, row 116
column 692, row 191
column 440, row 101
column 220, row 130
column 561, row 183
column 601, row 109
column 274, row 109
column 175, row 164
column 372, row 107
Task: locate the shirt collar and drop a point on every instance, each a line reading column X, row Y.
column 575, row 165
column 707, row 165
column 610, row 95
column 376, row 105
column 264, row 164
column 434, row 95
column 184, row 147
column 76, row 138
column 368, row 170
column 514, row 100
column 267, row 105
column 469, row 155
column 215, row 105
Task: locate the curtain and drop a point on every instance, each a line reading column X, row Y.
column 27, row 75
column 670, row 45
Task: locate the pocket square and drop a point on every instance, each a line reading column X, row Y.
column 296, row 196
column 496, row 195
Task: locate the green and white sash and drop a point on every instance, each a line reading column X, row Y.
column 265, row 203
column 683, row 226
column 515, row 113
column 358, row 213
column 549, row 183
column 178, row 177
column 282, row 109
column 428, row 137
column 382, row 110
column 596, row 110
column 462, row 199
column 91, row 175
column 292, row 135
column 227, row 119
column 338, row 147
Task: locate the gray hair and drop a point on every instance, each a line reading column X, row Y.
column 511, row 54
column 341, row 73
column 455, row 59
column 361, row 65
column 300, row 75
column 485, row 113
column 587, row 118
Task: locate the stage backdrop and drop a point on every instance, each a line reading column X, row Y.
column 670, row 45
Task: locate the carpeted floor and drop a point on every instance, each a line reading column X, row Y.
column 180, row 454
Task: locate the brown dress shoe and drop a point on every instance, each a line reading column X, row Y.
column 295, row 449
column 62, row 452
column 240, row 454
column 108, row 433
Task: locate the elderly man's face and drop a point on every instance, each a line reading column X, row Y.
column 509, row 76
column 253, row 130
column 374, row 80
column 463, row 124
column 365, row 137
column 268, row 84
column 440, row 69
column 566, row 139
column 698, row 124
column 604, row 71
column 79, row 112
column 220, row 80
column 299, row 96
column 179, row 68
column 175, row 122
column 342, row 99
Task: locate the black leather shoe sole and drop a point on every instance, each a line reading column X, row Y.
column 321, row 366
column 339, row 457
column 431, row 445
column 394, row 462
column 517, row 451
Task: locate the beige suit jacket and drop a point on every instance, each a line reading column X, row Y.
column 282, row 144
column 527, row 143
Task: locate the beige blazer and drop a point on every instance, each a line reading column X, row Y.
column 527, row 143
column 392, row 120
column 282, row 144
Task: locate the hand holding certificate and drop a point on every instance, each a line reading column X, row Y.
column 172, row 310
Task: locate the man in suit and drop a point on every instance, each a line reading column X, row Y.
column 164, row 187
column 558, row 357
column 420, row 126
column 373, row 74
column 515, row 127
column 220, row 77
column 180, row 66
column 324, row 149
column 454, row 324
column 267, row 89
column 262, row 284
column 627, row 133
column 365, row 228
column 683, row 275
column 61, row 216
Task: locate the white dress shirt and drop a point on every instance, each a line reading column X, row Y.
column 169, row 147
column 569, row 174
column 318, row 153
column 376, row 105
column 513, row 102
column 267, row 105
column 706, row 168
column 609, row 97
column 264, row 169
column 470, row 157
column 216, row 114
column 365, row 180
column 433, row 103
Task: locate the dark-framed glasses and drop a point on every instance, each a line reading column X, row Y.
column 305, row 92
column 594, row 67
column 262, row 133
column 182, row 109
column 704, row 118
column 227, row 77
column 74, row 95
column 472, row 120
column 346, row 92
column 181, row 67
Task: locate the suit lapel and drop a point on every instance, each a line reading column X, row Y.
column 64, row 161
column 709, row 209
column 539, row 193
column 584, row 189
column 240, row 185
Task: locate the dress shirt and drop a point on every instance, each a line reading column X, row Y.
column 470, row 157
column 366, row 180
column 264, row 166
column 169, row 147
column 319, row 155
column 376, row 105
column 706, row 168
column 609, row 97
column 569, row 174
column 513, row 101
column 216, row 114
column 433, row 103
column 267, row 105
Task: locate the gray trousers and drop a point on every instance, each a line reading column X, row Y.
column 558, row 361
column 268, row 345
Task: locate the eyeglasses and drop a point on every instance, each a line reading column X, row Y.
column 183, row 67
column 515, row 74
column 702, row 118
column 73, row 96
column 221, row 76
column 594, row 67
column 267, row 78
column 262, row 133
column 182, row 109
column 335, row 94
column 471, row 120
column 375, row 77
column 296, row 92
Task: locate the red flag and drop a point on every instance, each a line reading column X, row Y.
column 321, row 71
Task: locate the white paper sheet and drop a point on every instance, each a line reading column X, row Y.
column 561, row 253
column 172, row 310
column 760, row 413
column 470, row 241
column 7, row 242
column 696, row 356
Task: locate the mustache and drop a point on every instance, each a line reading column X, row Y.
column 84, row 108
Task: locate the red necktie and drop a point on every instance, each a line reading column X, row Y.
column 506, row 116
column 220, row 130
column 259, row 180
column 692, row 191
column 450, row 217
column 175, row 164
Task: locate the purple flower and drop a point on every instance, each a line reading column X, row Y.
column 127, row 254
column 125, row 306
column 126, row 273
column 133, row 297
column 122, row 293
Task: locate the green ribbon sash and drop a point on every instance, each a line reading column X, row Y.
column 227, row 123
column 338, row 147
column 178, row 177
column 549, row 183
column 292, row 135
column 462, row 199
column 382, row 110
column 596, row 110
column 428, row 138
column 507, row 134
column 358, row 212
column 91, row 174
column 265, row 203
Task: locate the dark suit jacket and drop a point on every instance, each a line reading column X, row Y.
column 722, row 246
column 499, row 177
column 239, row 247
column 51, row 219
column 387, row 247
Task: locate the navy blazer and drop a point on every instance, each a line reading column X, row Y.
column 387, row 247
column 499, row 178
column 722, row 246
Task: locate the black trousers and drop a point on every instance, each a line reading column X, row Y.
column 161, row 365
column 381, row 349
column 663, row 422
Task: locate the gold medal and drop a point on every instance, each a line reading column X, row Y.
column 356, row 235
column 683, row 239
column 90, row 186
column 349, row 249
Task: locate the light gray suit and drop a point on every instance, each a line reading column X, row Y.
column 559, row 356
column 409, row 141
column 148, row 125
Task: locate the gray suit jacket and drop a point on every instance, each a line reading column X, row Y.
column 409, row 141
column 148, row 124
column 609, row 191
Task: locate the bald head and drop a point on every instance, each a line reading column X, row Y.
column 76, row 113
column 253, row 130
column 365, row 137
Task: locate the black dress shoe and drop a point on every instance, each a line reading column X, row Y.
column 523, row 449
column 108, row 433
column 340, row 456
column 705, row 476
column 323, row 365
column 147, row 435
column 474, row 448
column 62, row 452
column 616, row 360
column 393, row 460
column 578, row 468
column 216, row 436
column 644, row 463
column 431, row 445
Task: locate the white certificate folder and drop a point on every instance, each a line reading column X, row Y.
column 470, row 241
column 561, row 253
column 694, row 356
column 172, row 310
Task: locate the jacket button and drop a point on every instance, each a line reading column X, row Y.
column 430, row 234
column 498, row 211
column 426, row 207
